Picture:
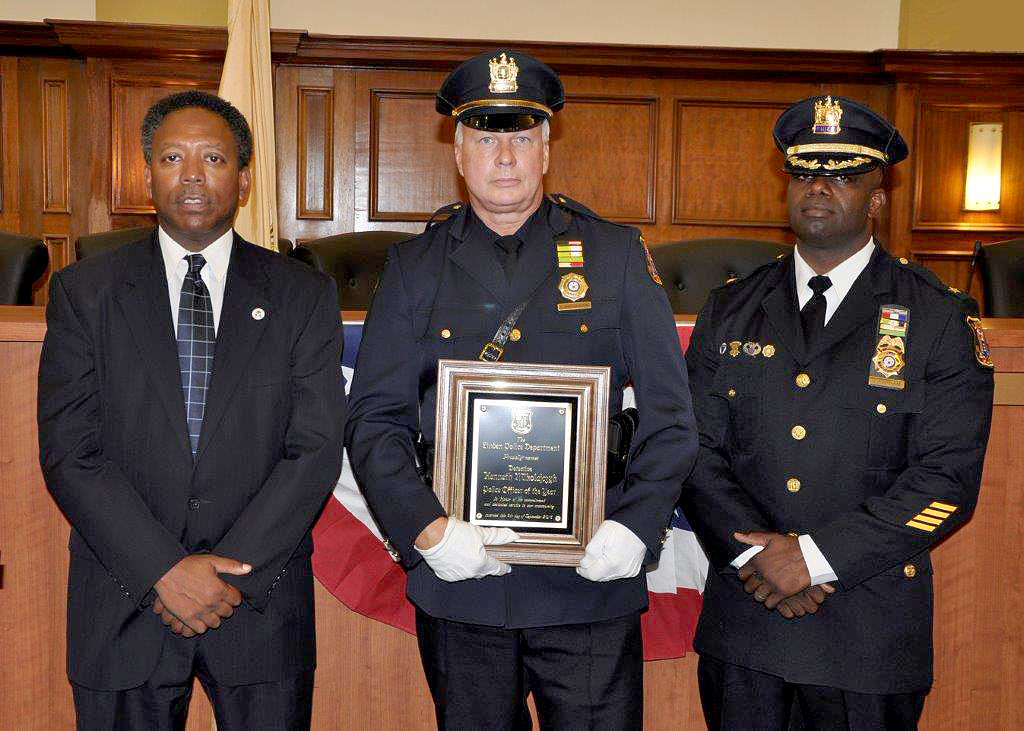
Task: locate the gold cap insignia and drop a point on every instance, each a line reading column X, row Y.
column 826, row 117
column 503, row 75
column 573, row 286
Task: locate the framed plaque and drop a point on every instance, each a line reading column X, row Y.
column 524, row 446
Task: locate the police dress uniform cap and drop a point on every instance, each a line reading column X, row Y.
column 830, row 135
column 501, row 91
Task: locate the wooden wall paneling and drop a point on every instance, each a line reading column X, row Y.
column 335, row 197
column 10, row 158
column 941, row 164
column 59, row 246
column 900, row 184
column 98, row 107
column 950, row 266
column 56, row 145
column 130, row 98
column 604, row 153
column 727, row 169
column 411, row 168
column 315, row 163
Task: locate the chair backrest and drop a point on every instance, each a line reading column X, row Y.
column 355, row 260
column 93, row 244
column 23, row 260
column 691, row 269
column 1001, row 266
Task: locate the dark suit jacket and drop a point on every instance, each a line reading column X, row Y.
column 116, row 457
column 443, row 295
column 872, row 459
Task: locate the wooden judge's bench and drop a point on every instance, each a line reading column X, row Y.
column 368, row 674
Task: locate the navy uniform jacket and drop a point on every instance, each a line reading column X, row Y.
column 873, row 459
column 116, row 457
column 443, row 295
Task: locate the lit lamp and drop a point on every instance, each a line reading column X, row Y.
column 984, row 167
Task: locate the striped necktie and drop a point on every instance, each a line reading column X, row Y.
column 196, row 340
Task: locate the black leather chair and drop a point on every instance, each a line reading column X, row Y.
column 1001, row 266
column 691, row 269
column 93, row 244
column 23, row 260
column 355, row 260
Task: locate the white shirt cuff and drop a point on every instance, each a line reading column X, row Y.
column 741, row 560
column 817, row 565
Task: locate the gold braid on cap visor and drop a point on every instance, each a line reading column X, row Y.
column 837, row 147
column 497, row 103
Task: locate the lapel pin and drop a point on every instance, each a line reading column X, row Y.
column 258, row 313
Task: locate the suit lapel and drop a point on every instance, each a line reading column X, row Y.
column 859, row 305
column 238, row 332
column 474, row 254
column 147, row 310
column 780, row 307
column 537, row 260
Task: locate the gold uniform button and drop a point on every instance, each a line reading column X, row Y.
column 446, row 333
column 768, row 351
column 515, row 335
column 798, row 432
column 793, row 484
column 795, row 535
column 457, row 206
column 584, row 328
column 881, row 408
column 910, row 571
column 803, row 380
column 954, row 290
column 904, row 260
column 731, row 392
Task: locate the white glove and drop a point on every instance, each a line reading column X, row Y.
column 613, row 553
column 460, row 552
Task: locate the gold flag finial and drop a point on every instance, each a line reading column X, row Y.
column 503, row 75
column 827, row 114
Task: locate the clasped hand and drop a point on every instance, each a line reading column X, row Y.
column 777, row 575
column 192, row 598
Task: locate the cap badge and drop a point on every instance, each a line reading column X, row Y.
column 827, row 114
column 503, row 75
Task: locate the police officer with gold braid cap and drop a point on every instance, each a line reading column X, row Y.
column 843, row 399
column 518, row 276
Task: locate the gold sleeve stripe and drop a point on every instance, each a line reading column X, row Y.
column 922, row 526
column 935, row 513
column 943, row 506
column 927, row 519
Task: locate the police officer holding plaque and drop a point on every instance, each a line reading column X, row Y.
column 843, row 399
column 519, row 277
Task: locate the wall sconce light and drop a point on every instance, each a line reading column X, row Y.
column 984, row 167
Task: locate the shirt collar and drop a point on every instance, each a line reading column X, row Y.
column 217, row 255
column 842, row 275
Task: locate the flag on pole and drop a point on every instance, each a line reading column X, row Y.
column 350, row 560
column 246, row 83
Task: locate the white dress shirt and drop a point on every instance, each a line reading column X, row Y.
column 842, row 277
column 214, row 273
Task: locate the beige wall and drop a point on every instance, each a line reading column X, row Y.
column 962, row 25
column 36, row 10
column 174, row 12
column 861, row 25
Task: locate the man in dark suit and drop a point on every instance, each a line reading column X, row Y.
column 521, row 277
column 190, row 416
column 843, row 400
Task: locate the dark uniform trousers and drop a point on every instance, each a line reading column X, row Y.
column 797, row 439
column 485, row 643
column 161, row 703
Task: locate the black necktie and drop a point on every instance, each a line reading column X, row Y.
column 813, row 313
column 507, row 248
column 196, row 340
